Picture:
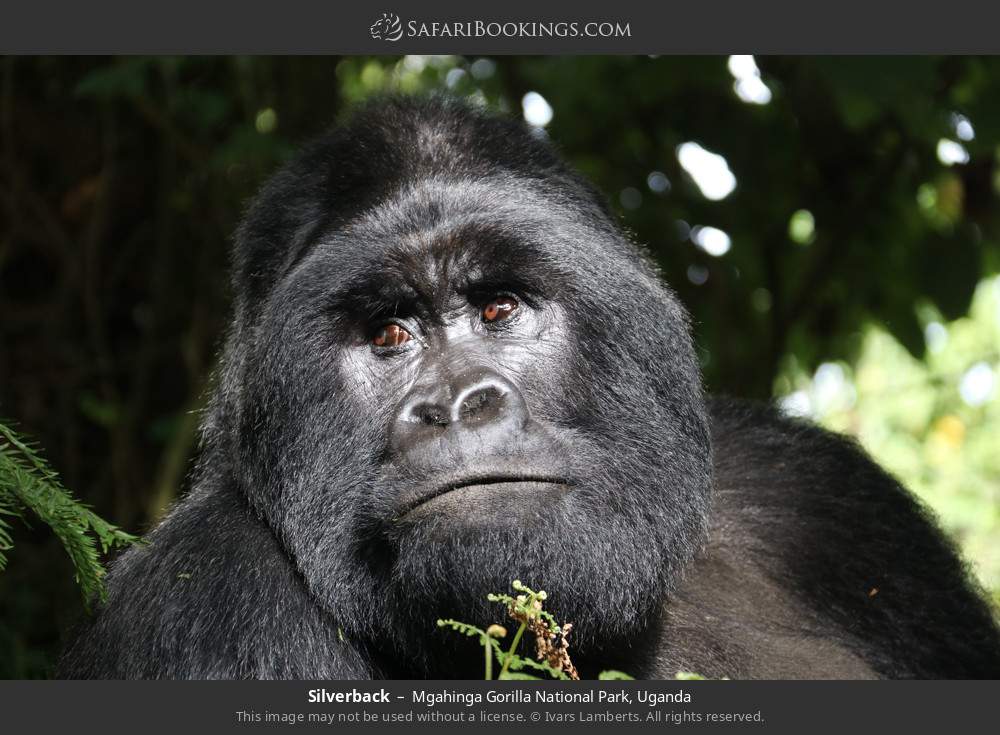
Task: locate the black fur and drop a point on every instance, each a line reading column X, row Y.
column 674, row 534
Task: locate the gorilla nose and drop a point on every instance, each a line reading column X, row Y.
column 474, row 402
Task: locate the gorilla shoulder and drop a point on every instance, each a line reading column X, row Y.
column 208, row 598
column 820, row 564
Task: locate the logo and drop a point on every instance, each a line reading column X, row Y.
column 387, row 28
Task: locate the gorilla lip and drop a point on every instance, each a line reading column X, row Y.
column 412, row 501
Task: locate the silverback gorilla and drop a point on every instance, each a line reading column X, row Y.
column 448, row 368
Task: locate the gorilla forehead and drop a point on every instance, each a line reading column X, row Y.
column 435, row 236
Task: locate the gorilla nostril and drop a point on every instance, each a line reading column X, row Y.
column 429, row 414
column 480, row 404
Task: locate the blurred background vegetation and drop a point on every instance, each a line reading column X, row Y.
column 831, row 223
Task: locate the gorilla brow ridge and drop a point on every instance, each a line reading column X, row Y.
column 400, row 273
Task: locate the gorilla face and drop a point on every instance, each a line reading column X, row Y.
column 449, row 370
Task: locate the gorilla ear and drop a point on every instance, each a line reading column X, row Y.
column 333, row 178
column 278, row 224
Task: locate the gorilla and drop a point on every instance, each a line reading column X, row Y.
column 448, row 368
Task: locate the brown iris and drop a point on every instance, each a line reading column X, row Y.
column 499, row 309
column 391, row 335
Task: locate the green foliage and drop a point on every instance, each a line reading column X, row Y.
column 127, row 77
column 27, row 483
column 464, row 629
column 514, row 670
column 613, row 675
column 525, row 608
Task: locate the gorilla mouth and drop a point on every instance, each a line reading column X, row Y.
column 470, row 488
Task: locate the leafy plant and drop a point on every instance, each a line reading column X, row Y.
column 688, row 676
column 551, row 639
column 28, row 483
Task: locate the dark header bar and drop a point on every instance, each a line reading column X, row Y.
column 509, row 27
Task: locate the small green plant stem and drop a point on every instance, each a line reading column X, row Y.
column 489, row 658
column 513, row 647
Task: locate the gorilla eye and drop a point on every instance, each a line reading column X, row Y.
column 391, row 335
column 499, row 309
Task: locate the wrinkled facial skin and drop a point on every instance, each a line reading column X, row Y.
column 412, row 471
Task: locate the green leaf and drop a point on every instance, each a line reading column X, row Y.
column 463, row 628
column 613, row 675
column 126, row 78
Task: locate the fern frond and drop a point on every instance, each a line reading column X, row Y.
column 27, row 482
column 6, row 542
column 463, row 628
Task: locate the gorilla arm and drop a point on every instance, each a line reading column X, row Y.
column 212, row 597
